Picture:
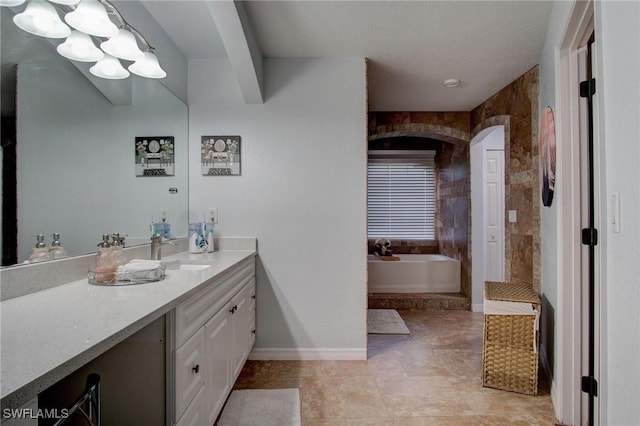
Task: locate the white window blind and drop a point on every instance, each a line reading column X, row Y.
column 401, row 195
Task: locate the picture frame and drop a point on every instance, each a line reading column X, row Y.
column 154, row 156
column 220, row 156
column 547, row 146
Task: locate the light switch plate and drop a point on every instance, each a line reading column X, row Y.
column 615, row 212
column 513, row 216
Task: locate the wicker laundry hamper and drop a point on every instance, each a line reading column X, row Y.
column 510, row 343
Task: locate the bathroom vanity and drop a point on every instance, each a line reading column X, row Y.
column 211, row 334
column 206, row 304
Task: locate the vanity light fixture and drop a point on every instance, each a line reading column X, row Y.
column 90, row 19
column 123, row 45
column 11, row 3
column 110, row 68
column 40, row 18
column 66, row 2
column 148, row 67
column 79, row 47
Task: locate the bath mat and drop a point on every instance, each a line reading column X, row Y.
column 262, row 407
column 385, row 321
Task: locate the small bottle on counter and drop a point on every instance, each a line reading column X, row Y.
column 40, row 252
column 119, row 256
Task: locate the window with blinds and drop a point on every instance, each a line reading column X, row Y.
column 401, row 195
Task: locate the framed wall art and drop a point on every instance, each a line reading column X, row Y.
column 154, row 156
column 220, row 156
column 547, row 141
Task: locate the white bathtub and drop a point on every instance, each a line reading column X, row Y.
column 414, row 273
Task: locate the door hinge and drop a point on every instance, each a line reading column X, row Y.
column 590, row 236
column 590, row 385
column 587, row 88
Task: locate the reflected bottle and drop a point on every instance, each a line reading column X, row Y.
column 40, row 252
column 57, row 251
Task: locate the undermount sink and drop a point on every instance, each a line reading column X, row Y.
column 188, row 264
column 190, row 267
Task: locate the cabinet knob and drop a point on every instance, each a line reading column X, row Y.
column 253, row 331
column 253, row 296
column 196, row 369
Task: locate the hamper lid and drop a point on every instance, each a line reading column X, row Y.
column 510, row 292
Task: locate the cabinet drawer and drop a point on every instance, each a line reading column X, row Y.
column 190, row 359
column 196, row 311
column 194, row 414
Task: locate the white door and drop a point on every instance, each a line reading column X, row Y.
column 494, row 215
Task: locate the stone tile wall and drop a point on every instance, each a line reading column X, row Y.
column 516, row 106
column 453, row 208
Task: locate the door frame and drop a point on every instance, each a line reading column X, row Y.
column 565, row 391
column 479, row 144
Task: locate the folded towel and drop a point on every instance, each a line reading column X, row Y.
column 140, row 269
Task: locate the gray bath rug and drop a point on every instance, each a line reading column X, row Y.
column 385, row 321
column 262, row 407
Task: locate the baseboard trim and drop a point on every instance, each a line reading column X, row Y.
column 308, row 354
column 477, row 307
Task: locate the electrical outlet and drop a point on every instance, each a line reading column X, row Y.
column 213, row 215
column 164, row 214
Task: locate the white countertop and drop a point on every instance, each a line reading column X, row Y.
column 48, row 334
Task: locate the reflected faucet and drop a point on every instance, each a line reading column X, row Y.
column 156, row 246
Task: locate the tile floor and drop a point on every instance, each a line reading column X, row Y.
column 431, row 377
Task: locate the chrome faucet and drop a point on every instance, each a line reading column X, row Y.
column 156, row 246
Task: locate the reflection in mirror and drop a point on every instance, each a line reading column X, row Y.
column 75, row 153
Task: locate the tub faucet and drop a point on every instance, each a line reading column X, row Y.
column 156, row 246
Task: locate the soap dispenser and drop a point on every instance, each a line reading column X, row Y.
column 119, row 256
column 105, row 269
column 40, row 251
column 57, row 251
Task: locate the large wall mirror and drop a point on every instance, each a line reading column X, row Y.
column 74, row 153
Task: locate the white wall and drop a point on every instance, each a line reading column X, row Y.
column 302, row 193
column 75, row 156
column 549, row 216
column 618, row 110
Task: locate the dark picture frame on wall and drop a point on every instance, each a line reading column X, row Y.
column 220, row 156
column 154, row 156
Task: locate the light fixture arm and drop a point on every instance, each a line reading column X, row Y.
column 111, row 9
